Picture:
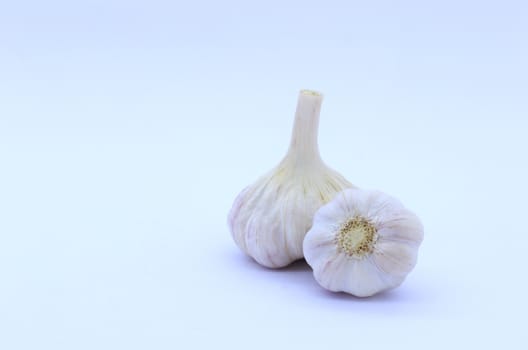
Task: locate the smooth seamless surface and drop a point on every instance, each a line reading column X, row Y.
column 128, row 127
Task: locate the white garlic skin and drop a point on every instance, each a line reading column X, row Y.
column 394, row 249
column 269, row 219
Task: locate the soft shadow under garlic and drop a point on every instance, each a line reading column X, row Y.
column 399, row 295
column 298, row 266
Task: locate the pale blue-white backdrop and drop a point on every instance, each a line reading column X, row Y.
column 128, row 127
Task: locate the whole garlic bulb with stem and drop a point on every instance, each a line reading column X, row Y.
column 362, row 242
column 270, row 218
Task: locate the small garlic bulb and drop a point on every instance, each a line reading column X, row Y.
column 362, row 242
column 270, row 218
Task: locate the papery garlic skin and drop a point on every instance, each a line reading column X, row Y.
column 362, row 242
column 270, row 218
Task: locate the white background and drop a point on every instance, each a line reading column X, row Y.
column 127, row 128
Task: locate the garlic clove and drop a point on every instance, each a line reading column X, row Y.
column 362, row 242
column 394, row 258
column 269, row 219
column 367, row 281
column 332, row 279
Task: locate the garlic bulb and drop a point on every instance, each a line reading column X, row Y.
column 270, row 218
column 362, row 242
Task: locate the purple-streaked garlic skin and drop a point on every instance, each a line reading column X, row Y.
column 269, row 219
column 363, row 242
